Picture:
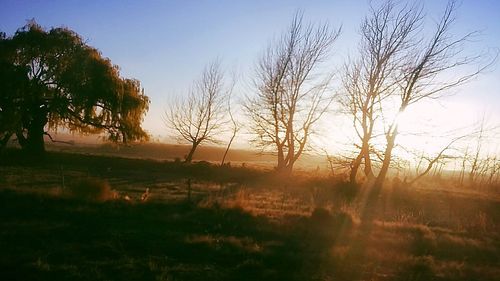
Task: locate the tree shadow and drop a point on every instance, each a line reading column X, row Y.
column 52, row 238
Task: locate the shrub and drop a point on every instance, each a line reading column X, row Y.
column 346, row 191
column 321, row 215
column 92, row 190
column 421, row 268
column 326, row 218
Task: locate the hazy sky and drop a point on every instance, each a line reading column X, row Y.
column 165, row 44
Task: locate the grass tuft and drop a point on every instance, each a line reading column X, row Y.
column 92, row 190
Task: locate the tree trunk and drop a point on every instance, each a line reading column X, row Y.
column 281, row 158
column 355, row 167
column 189, row 157
column 33, row 143
column 5, row 139
column 368, row 164
column 379, row 182
column 363, row 154
column 228, row 147
column 289, row 168
column 372, row 201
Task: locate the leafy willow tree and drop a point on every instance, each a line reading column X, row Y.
column 291, row 94
column 12, row 84
column 52, row 79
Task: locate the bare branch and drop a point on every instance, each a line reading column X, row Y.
column 200, row 116
column 291, row 95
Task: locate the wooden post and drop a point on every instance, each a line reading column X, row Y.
column 62, row 177
column 189, row 190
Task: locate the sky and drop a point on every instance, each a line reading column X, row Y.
column 165, row 44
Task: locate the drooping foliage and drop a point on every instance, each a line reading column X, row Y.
column 53, row 79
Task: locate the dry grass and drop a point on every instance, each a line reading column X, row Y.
column 238, row 224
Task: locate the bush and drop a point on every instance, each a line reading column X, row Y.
column 321, row 215
column 345, row 190
column 326, row 218
column 92, row 190
column 327, row 228
column 420, row 268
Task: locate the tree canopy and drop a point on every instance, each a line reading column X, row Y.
column 52, row 79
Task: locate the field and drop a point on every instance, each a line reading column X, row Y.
column 77, row 216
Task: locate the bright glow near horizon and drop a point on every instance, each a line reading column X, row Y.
column 165, row 44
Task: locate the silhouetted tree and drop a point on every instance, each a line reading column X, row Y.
column 291, row 95
column 422, row 74
column 401, row 66
column 53, row 79
column 235, row 128
column 434, row 160
column 200, row 116
column 493, row 170
column 13, row 82
column 475, row 161
column 368, row 80
column 479, row 162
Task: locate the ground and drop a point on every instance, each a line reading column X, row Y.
column 203, row 222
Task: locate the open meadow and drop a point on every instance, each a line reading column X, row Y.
column 250, row 140
column 90, row 217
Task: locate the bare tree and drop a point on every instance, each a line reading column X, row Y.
column 435, row 160
column 480, row 164
column 200, row 116
column 291, row 94
column 422, row 72
column 235, row 127
column 475, row 161
column 494, row 169
column 398, row 67
column 463, row 165
column 386, row 36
